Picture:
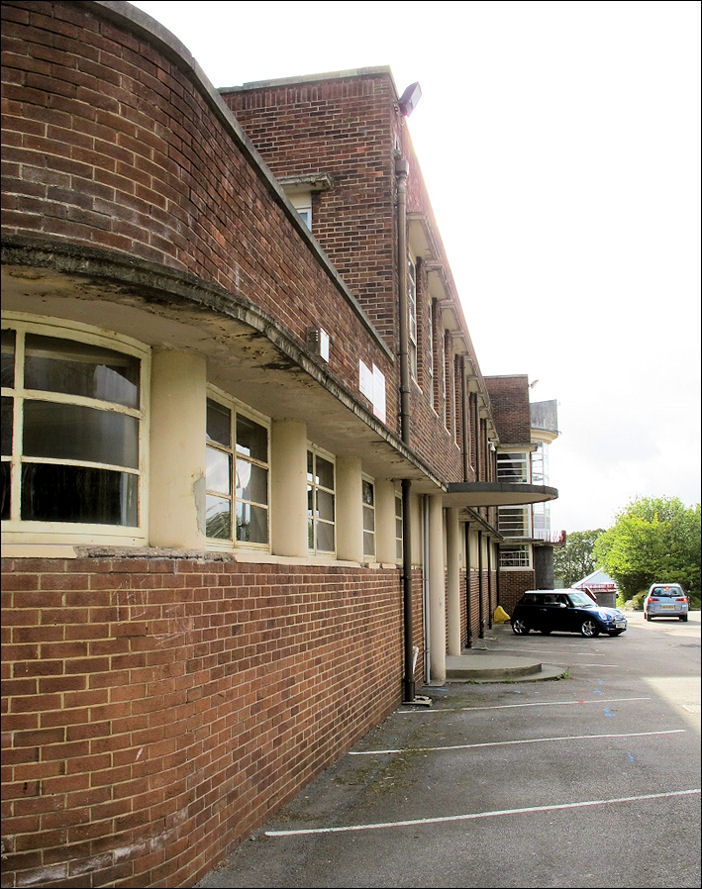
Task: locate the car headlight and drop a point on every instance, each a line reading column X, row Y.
column 607, row 618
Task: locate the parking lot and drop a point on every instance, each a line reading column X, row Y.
column 591, row 780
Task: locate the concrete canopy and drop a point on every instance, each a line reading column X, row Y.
column 471, row 494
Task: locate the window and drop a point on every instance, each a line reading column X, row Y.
column 72, row 430
column 512, row 468
column 515, row 556
column 237, row 475
column 513, row 521
column 399, row 526
column 412, row 305
column 303, row 204
column 430, row 345
column 321, row 503
column 368, row 518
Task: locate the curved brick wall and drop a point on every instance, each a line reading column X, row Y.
column 111, row 141
column 156, row 710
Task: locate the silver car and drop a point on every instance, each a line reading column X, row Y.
column 666, row 600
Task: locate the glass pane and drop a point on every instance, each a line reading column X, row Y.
column 79, row 494
column 218, row 518
column 310, row 500
column 6, row 433
column 368, row 493
column 251, row 482
column 325, row 472
column 310, row 534
column 71, row 432
column 368, row 544
column 218, row 471
column 58, row 365
column 8, row 358
column 251, row 439
column 368, row 519
column 325, row 537
column 251, row 523
column 219, row 423
column 310, row 470
column 325, row 506
column 5, row 490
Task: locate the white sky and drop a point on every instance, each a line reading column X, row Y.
column 560, row 145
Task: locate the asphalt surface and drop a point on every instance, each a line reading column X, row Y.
column 590, row 780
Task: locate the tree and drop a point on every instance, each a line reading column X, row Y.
column 653, row 539
column 574, row 560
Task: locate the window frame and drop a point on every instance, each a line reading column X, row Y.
column 516, row 564
column 412, row 327
column 369, row 510
column 399, row 524
column 238, row 408
column 15, row 530
column 316, row 452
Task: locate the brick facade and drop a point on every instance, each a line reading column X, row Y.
column 155, row 709
column 161, row 697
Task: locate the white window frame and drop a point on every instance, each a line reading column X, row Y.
column 238, row 408
column 430, row 346
column 399, row 527
column 18, row 531
column 369, row 518
column 515, row 557
column 314, row 520
column 513, row 467
column 412, row 311
column 302, row 202
column 514, row 521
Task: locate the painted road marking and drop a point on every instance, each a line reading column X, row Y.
column 444, row 819
column 532, row 704
column 672, row 731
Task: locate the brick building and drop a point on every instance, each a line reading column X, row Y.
column 246, row 444
column 526, row 431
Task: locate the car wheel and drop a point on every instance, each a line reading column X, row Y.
column 683, row 617
column 519, row 627
column 589, row 628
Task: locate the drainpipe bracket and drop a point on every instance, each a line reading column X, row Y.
column 418, row 701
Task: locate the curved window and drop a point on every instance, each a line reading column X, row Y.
column 72, row 417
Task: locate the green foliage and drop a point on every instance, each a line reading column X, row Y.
column 574, row 560
column 653, row 539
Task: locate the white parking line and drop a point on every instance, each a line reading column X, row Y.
column 673, row 731
column 530, row 704
column 477, row 815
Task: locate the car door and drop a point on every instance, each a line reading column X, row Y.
column 561, row 617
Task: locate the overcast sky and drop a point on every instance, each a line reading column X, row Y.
column 560, row 145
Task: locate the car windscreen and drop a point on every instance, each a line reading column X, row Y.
column 580, row 600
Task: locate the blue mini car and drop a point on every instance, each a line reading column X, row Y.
column 566, row 611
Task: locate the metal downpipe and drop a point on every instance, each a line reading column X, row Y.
column 469, row 626
column 401, row 172
column 481, row 630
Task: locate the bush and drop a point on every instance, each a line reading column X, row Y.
column 633, row 604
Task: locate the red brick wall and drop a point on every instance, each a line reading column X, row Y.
column 155, row 710
column 509, row 397
column 108, row 143
column 513, row 583
column 346, row 128
column 342, row 128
